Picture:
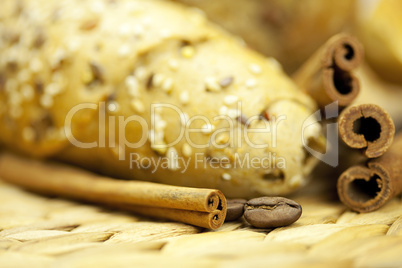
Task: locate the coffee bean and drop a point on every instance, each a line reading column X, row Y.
column 235, row 209
column 269, row 212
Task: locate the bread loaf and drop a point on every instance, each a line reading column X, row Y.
column 289, row 30
column 380, row 30
column 80, row 80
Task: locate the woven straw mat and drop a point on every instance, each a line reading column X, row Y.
column 39, row 231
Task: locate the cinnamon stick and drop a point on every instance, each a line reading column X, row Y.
column 367, row 188
column 327, row 75
column 201, row 207
column 368, row 127
column 380, row 92
column 211, row 220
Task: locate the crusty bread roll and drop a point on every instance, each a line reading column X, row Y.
column 380, row 30
column 288, row 30
column 78, row 80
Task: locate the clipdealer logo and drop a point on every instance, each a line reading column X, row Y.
column 150, row 131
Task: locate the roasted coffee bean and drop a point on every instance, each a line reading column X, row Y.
column 270, row 212
column 235, row 209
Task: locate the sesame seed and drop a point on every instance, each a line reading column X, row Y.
column 296, row 181
column 172, row 156
column 250, row 83
column 242, row 119
column 124, row 29
column 28, row 134
column 160, row 136
column 58, row 77
column 255, row 68
column 132, row 86
column 89, row 24
column 113, row 106
column 223, row 110
column 52, row 89
column 212, row 84
column 226, row 176
column 15, row 112
column 73, row 45
column 97, row 7
column 184, row 117
column 58, row 56
column 24, row 75
column 138, row 106
column 207, row 128
column 184, row 97
column 151, row 135
column 138, row 30
column 14, row 98
column 187, row 51
column 52, row 133
column 156, row 136
column 230, row 99
column 11, row 85
column 222, row 139
column 225, row 82
column 198, row 16
column 27, row 92
column 115, row 150
column 186, row 150
column 35, row 65
column 226, row 165
column 158, row 80
column 160, row 125
column 147, row 21
column 167, row 85
column 62, row 133
column 46, row 101
column 87, row 76
column 157, row 116
column 77, row 13
column 313, row 131
column 124, row 50
column 132, row 7
column 173, row 64
column 165, row 33
column 160, row 148
column 274, row 64
column 233, row 113
column 141, row 73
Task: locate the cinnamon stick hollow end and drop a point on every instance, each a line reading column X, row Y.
column 362, row 189
column 210, row 220
column 327, row 76
column 216, row 200
column 368, row 127
column 367, row 189
column 343, row 54
column 339, row 86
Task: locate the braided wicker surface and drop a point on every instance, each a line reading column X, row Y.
column 39, row 231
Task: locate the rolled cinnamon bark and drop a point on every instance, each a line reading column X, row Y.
column 366, row 189
column 378, row 91
column 201, row 207
column 368, row 127
column 210, row 220
column 327, row 76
